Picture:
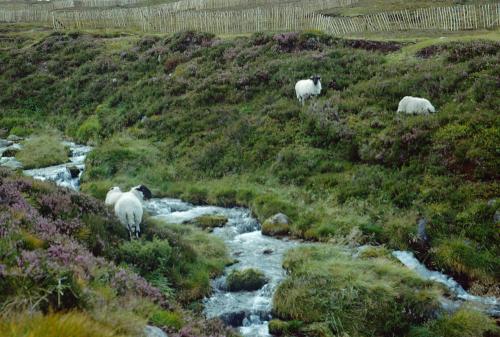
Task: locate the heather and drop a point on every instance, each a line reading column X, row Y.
column 60, row 263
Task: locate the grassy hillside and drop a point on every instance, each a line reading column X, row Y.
column 215, row 121
column 67, row 268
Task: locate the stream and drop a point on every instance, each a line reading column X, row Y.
column 249, row 311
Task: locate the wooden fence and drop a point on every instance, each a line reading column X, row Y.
column 150, row 19
column 164, row 19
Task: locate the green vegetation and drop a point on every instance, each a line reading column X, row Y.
column 59, row 276
column 57, row 325
column 463, row 323
column 330, row 291
column 247, row 280
column 194, row 258
column 209, row 221
column 344, row 168
column 215, row 121
column 42, row 150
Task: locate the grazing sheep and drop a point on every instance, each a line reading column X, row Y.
column 307, row 88
column 112, row 196
column 128, row 208
column 415, row 105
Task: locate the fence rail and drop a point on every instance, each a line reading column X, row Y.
column 168, row 19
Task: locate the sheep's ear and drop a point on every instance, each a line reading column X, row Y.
column 311, row 78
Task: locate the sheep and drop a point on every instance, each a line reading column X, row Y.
column 415, row 105
column 307, row 88
column 112, row 196
column 128, row 208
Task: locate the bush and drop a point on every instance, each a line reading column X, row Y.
column 245, row 280
column 167, row 319
column 89, row 130
column 43, row 150
column 147, row 256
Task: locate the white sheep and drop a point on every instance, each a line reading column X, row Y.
column 112, row 196
column 307, row 88
column 128, row 208
column 415, row 105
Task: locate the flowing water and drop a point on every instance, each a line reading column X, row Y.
column 60, row 174
column 249, row 311
column 491, row 305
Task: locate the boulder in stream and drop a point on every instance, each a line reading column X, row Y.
column 278, row 224
column 74, row 171
column 246, row 280
column 14, row 138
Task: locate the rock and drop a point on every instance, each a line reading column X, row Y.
column 209, row 221
column 153, row 331
column 11, row 163
column 234, row 319
column 278, row 224
column 421, row 233
column 10, row 152
column 14, row 138
column 492, row 202
column 238, row 253
column 267, row 251
column 5, row 143
column 74, row 171
column 246, row 280
column 3, row 132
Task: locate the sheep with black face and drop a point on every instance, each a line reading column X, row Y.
column 128, row 208
column 308, row 88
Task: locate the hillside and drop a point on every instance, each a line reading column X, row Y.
column 215, row 121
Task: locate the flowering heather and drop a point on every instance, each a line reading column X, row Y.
column 46, row 237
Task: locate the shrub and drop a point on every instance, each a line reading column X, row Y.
column 246, row 280
column 147, row 256
column 169, row 319
column 89, row 130
column 42, row 150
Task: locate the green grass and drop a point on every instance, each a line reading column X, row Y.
column 245, row 280
column 345, row 168
column 354, row 296
column 42, row 150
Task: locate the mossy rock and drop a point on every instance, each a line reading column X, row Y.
column 246, row 280
column 10, row 152
column 42, row 151
column 209, row 221
column 276, row 225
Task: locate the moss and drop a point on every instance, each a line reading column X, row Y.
column 275, row 229
column 209, row 221
column 42, row 150
column 282, row 328
column 89, row 130
column 245, row 280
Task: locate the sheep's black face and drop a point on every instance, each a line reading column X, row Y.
column 146, row 192
column 315, row 79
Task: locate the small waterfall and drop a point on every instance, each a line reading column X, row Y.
column 490, row 305
column 249, row 311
